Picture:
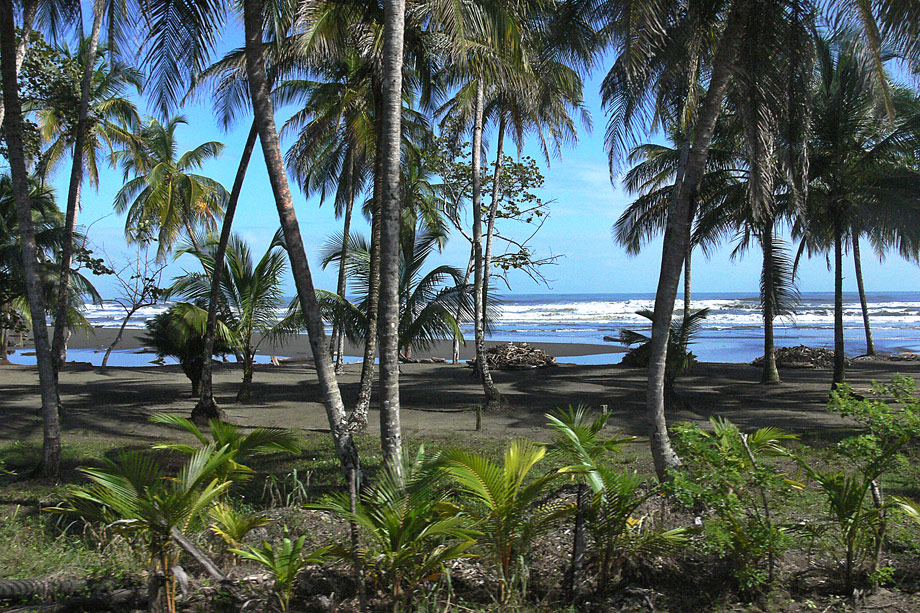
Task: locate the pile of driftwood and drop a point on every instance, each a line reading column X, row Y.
column 801, row 357
column 509, row 356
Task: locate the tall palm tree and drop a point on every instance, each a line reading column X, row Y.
column 13, row 132
column 251, row 291
column 660, row 67
column 863, row 177
column 164, row 192
column 334, row 150
column 180, row 40
column 105, row 119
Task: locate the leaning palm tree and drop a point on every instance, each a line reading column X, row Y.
column 164, row 191
column 250, row 291
column 106, row 119
column 863, row 176
column 180, row 39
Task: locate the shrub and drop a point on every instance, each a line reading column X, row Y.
column 728, row 475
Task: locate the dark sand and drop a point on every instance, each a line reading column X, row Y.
column 299, row 346
column 436, row 398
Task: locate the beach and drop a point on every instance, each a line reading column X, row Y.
column 437, row 399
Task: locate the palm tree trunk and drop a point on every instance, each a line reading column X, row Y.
column 493, row 211
column 687, row 259
column 343, row 268
column 857, row 262
column 455, row 345
column 207, row 409
column 73, row 193
column 770, row 373
column 29, row 10
column 359, row 415
column 263, row 112
column 690, row 174
column 245, row 391
column 12, row 123
column 493, row 399
column 390, row 436
column 839, row 355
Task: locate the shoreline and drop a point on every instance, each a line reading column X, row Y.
column 298, row 347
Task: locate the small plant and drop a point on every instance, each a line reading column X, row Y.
column 135, row 495
column 232, row 526
column 619, row 533
column 507, row 511
column 679, row 357
column 285, row 560
column 579, row 443
column 408, row 539
column 859, row 521
column 290, row 490
column 241, row 447
column 729, row 475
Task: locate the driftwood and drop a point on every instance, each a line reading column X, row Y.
column 509, row 356
column 801, row 357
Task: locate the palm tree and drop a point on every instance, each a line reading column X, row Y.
column 251, row 292
column 862, row 176
column 13, row 132
column 164, row 191
column 428, row 300
column 335, row 148
column 105, row 118
column 49, row 233
column 180, row 39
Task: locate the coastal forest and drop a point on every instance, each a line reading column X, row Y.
column 778, row 129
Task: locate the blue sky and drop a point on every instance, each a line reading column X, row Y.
column 586, row 205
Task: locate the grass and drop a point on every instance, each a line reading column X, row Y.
column 39, row 544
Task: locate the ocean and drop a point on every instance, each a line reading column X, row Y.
column 733, row 332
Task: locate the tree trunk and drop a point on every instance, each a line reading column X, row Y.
column 690, row 174
column 341, row 287
column 29, row 10
column 73, row 192
column 263, row 112
column 493, row 211
column 493, row 399
column 359, row 416
column 770, row 373
column 455, row 345
column 245, row 391
column 839, row 355
column 857, row 262
column 578, row 543
column 390, row 121
column 207, row 409
column 687, row 259
column 51, row 446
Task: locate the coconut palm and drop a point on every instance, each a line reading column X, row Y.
column 134, row 494
column 428, row 300
column 863, row 180
column 164, row 191
column 179, row 332
column 250, row 291
column 505, row 503
column 180, row 39
column 13, row 133
column 48, row 224
column 105, row 120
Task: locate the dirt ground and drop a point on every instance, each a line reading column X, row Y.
column 437, row 399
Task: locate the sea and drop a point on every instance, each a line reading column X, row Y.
column 733, row 331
